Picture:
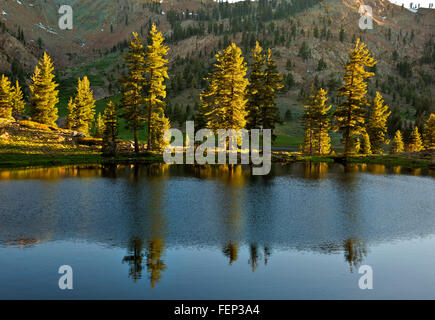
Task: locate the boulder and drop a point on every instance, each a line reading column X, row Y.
column 77, row 134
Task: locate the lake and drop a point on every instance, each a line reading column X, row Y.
column 217, row 232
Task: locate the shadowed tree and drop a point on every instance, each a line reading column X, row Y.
column 254, row 89
column 99, row 127
column 132, row 87
column 269, row 112
column 110, row 132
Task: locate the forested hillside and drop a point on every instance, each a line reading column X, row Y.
column 309, row 40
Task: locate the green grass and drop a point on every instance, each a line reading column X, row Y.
column 285, row 141
column 390, row 161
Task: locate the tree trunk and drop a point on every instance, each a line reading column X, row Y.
column 149, row 130
column 136, row 141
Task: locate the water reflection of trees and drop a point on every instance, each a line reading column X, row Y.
column 355, row 251
column 149, row 241
column 313, row 170
column 135, row 259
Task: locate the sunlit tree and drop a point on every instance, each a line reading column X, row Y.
column 429, row 132
column 224, row 100
column 377, row 123
column 397, row 146
column 18, row 104
column 82, row 108
column 350, row 115
column 156, row 67
column 5, row 98
column 43, row 93
column 415, row 143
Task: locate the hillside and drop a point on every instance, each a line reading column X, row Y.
column 401, row 41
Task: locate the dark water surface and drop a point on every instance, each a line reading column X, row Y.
column 180, row 232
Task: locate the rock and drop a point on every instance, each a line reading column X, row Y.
column 4, row 135
column 77, row 134
column 61, row 122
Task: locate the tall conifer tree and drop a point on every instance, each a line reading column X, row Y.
column 5, row 98
column 99, row 127
column 269, row 112
column 366, row 147
column 43, row 93
column 350, row 115
column 82, row 108
column 156, row 69
column 110, row 132
column 224, row 101
column 255, row 87
column 317, row 124
column 415, row 143
column 429, row 132
column 377, row 123
column 264, row 82
column 132, row 87
column 18, row 105
column 397, row 146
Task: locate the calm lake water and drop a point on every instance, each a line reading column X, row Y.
column 180, row 232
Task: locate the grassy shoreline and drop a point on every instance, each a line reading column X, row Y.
column 11, row 160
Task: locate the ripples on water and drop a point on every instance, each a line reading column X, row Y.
column 157, row 218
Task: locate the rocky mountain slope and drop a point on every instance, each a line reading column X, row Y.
column 401, row 40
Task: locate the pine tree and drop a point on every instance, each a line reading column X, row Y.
column 415, row 143
column 43, row 93
column 82, row 108
column 110, row 133
column 317, row 124
column 99, row 127
column 71, row 113
column 350, row 115
column 397, row 145
column 429, row 132
column 377, row 123
column 365, row 145
column 356, row 144
column 156, row 69
column 132, row 86
column 261, row 91
column 159, row 124
column 18, row 105
column 5, row 98
column 269, row 112
column 255, row 92
column 223, row 101
column 309, row 144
